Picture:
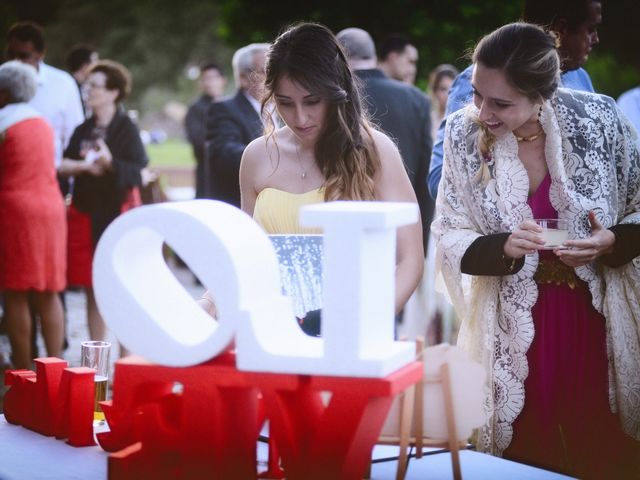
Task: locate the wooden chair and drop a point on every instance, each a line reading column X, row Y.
column 411, row 413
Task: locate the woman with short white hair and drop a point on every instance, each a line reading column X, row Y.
column 32, row 218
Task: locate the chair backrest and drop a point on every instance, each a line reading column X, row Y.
column 441, row 410
column 467, row 386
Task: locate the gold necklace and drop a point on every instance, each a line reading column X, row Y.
column 530, row 138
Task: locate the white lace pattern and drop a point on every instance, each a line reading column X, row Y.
column 594, row 165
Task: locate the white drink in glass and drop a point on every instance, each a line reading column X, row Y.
column 554, row 232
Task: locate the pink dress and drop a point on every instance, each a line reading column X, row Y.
column 566, row 424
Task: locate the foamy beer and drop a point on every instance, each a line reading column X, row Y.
column 95, row 354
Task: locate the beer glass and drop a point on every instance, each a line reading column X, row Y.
column 95, row 355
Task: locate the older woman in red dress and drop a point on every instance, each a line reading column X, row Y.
column 32, row 218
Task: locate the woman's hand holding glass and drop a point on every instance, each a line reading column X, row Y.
column 105, row 159
column 527, row 238
column 581, row 252
column 95, row 169
column 524, row 240
column 101, row 161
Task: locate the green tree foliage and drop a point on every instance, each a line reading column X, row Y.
column 156, row 39
column 442, row 31
column 159, row 39
column 614, row 65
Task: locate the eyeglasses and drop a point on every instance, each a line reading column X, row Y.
column 94, row 85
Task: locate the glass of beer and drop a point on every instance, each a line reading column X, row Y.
column 554, row 232
column 95, row 354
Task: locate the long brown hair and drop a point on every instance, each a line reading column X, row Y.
column 309, row 54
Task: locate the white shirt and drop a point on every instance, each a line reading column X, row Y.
column 58, row 100
column 14, row 113
column 629, row 103
column 257, row 106
column 254, row 103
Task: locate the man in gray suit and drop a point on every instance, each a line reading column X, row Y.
column 399, row 109
column 234, row 122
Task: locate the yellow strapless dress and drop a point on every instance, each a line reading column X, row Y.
column 277, row 211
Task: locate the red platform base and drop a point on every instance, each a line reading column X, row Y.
column 204, row 421
column 208, row 427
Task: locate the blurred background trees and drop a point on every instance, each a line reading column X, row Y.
column 161, row 41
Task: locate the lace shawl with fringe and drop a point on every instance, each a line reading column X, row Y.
column 594, row 165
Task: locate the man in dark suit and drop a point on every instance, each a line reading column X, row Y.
column 399, row 109
column 398, row 58
column 80, row 59
column 234, row 122
column 211, row 82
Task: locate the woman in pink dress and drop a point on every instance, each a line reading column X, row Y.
column 557, row 326
column 32, row 218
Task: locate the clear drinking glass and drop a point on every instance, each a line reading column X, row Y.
column 554, row 232
column 95, row 354
column 86, row 146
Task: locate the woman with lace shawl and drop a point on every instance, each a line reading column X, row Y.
column 557, row 330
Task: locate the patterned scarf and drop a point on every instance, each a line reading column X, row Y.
column 594, row 165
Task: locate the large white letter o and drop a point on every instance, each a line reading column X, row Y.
column 145, row 305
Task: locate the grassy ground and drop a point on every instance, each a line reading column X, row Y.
column 171, row 153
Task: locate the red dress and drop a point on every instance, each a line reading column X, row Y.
column 33, row 230
column 81, row 247
column 98, row 200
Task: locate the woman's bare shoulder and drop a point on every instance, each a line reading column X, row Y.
column 382, row 141
column 266, row 145
column 386, row 147
column 257, row 147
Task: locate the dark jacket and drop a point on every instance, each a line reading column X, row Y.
column 102, row 197
column 231, row 125
column 404, row 113
column 195, row 126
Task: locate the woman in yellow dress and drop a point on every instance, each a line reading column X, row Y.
column 326, row 150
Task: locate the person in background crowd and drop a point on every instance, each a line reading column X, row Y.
column 575, row 23
column 400, row 110
column 211, row 82
column 557, row 326
column 57, row 97
column 105, row 156
column 398, row 58
column 440, row 80
column 629, row 103
column 234, row 122
column 32, row 219
column 79, row 61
